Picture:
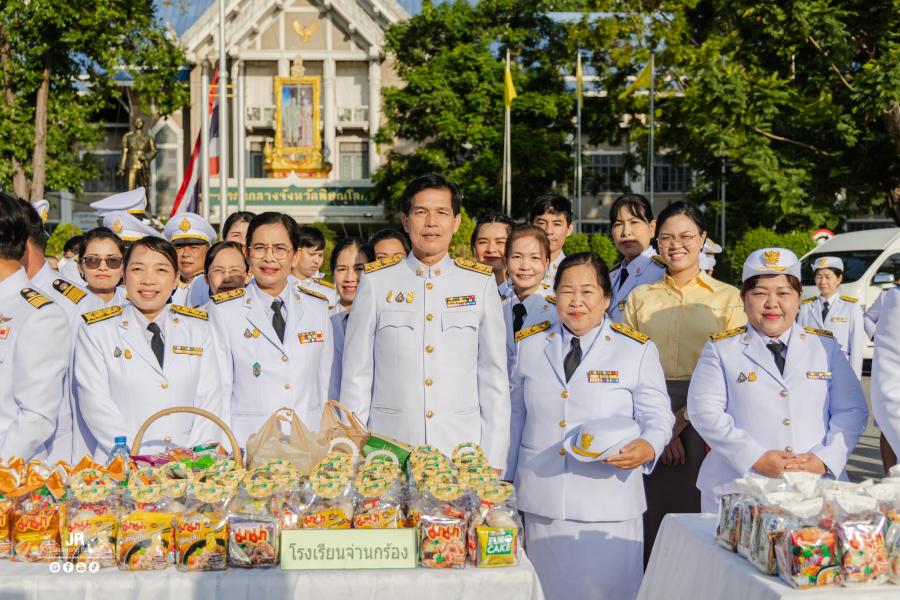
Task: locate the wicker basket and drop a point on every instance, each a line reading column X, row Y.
column 235, row 447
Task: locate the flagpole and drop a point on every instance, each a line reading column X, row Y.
column 578, row 174
column 204, row 140
column 223, row 119
column 650, row 144
column 507, row 139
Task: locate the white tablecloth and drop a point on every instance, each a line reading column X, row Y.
column 21, row 581
column 687, row 563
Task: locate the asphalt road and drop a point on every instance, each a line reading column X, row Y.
column 865, row 462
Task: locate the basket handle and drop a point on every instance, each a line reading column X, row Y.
column 235, row 447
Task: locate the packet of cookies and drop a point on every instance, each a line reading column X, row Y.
column 91, row 523
column 146, row 540
column 860, row 531
column 379, row 489
column 253, row 531
column 201, row 534
column 807, row 554
column 36, row 515
column 887, row 494
column 767, row 528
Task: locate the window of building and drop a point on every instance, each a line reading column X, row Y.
column 603, row 173
column 255, row 160
column 167, row 165
column 354, row 160
column 669, row 177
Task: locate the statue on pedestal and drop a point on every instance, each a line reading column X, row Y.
column 138, row 149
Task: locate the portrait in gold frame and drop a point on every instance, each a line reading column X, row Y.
column 297, row 115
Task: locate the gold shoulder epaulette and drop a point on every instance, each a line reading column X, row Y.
column 471, row 265
column 387, row 261
column 849, row 298
column 69, row 290
column 822, row 332
column 656, row 258
column 528, row 331
column 322, row 281
column 551, row 299
column 724, row 335
column 808, row 300
column 101, row 315
column 312, row 293
column 35, row 298
column 229, row 295
column 635, row 335
column 189, row 312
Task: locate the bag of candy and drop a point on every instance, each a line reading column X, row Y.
column 443, row 526
column 253, row 531
column 860, row 531
column 807, row 554
column 92, row 522
column 201, row 534
column 748, row 507
column 767, row 528
column 888, row 496
column 36, row 515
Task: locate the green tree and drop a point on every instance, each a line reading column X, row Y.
column 461, row 243
column 799, row 242
column 451, row 103
column 59, row 66
column 62, row 234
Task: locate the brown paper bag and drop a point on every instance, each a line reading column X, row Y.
column 298, row 445
column 331, row 426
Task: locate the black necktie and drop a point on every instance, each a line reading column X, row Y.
column 623, row 275
column 519, row 318
column 573, row 358
column 278, row 318
column 776, row 348
column 344, row 321
column 156, row 343
column 825, row 307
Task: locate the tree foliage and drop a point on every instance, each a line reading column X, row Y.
column 798, row 242
column 60, row 65
column 62, row 234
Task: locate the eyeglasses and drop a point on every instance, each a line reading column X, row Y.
column 685, row 239
column 279, row 251
column 229, row 273
column 93, row 262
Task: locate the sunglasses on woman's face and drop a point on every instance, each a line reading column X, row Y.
column 93, row 262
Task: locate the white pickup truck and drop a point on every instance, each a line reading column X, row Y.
column 871, row 265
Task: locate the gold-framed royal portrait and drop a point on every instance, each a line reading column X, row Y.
column 297, row 115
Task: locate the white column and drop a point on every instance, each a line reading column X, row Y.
column 241, row 142
column 328, row 108
column 374, row 111
column 204, row 138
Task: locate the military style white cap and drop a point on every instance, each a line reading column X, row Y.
column 828, row 262
column 707, row 261
column 710, row 247
column 599, row 439
column 771, row 261
column 41, row 207
column 189, row 228
column 132, row 201
column 128, row 227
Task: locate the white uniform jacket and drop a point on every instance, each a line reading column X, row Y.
column 118, row 382
column 539, row 307
column 886, row 368
column 425, row 355
column 619, row 376
column 550, row 275
column 317, row 284
column 743, row 407
column 35, row 347
column 644, row 268
column 339, row 326
column 845, row 320
column 260, row 372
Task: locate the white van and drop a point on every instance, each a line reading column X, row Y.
column 871, row 265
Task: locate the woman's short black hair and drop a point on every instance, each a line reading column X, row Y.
column 73, row 244
column 586, row 258
column 681, row 208
column 311, row 237
column 13, row 227
column 156, row 244
column 432, row 181
column 837, row 272
column 218, row 247
column 241, row 216
column 553, row 204
column 271, row 218
column 349, row 242
column 100, row 233
column 487, row 220
column 389, row 234
column 636, row 204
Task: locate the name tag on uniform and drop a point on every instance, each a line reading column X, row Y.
column 457, row 301
column 191, row 350
column 603, row 377
column 819, row 375
column 839, row 319
column 311, row 337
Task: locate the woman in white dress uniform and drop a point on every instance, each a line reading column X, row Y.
column 101, row 265
column 773, row 396
column 226, row 268
column 348, row 261
column 841, row 315
column 633, row 229
column 133, row 361
column 527, row 302
column 583, row 526
column 275, row 336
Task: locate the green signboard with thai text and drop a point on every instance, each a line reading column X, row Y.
column 291, row 195
column 309, row 549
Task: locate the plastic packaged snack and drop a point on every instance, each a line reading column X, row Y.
column 379, row 489
column 36, row 516
column 768, row 527
column 860, row 530
column 146, row 539
column 5, row 522
column 807, row 554
column 201, row 534
column 495, row 527
column 92, row 524
column 887, row 495
column 331, row 504
column 442, row 527
column 253, row 532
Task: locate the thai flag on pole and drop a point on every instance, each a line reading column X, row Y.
column 190, row 186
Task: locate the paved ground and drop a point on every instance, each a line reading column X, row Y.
column 865, row 461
